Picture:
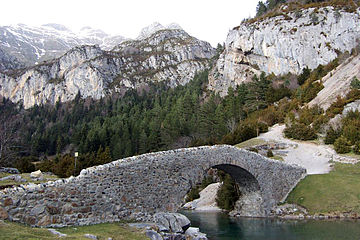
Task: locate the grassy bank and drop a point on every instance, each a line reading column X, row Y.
column 335, row 192
column 26, row 176
column 250, row 143
column 117, row 231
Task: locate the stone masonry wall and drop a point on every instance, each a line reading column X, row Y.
column 137, row 187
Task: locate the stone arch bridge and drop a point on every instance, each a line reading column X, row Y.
column 139, row 186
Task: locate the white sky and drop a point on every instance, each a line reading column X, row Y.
column 206, row 20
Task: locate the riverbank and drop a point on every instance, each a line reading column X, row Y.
column 331, row 190
column 115, row 231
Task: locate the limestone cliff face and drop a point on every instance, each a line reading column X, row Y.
column 284, row 44
column 172, row 56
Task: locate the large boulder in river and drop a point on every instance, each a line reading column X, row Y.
column 172, row 222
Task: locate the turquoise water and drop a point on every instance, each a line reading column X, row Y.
column 218, row 226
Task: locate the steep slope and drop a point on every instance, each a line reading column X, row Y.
column 31, row 45
column 337, row 83
column 285, row 44
column 167, row 55
column 8, row 62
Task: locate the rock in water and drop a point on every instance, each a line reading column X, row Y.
column 172, row 222
column 195, row 234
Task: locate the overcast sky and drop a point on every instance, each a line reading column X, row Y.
column 206, row 20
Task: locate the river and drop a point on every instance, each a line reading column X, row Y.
column 218, row 226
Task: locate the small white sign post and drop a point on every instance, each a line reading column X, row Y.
column 76, row 156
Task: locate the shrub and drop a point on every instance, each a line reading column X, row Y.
column 331, row 135
column 25, row 164
column 193, row 194
column 342, row 145
column 351, row 131
column 357, row 148
column 355, row 83
column 195, row 191
column 300, row 131
column 336, row 107
column 303, row 76
column 253, row 150
column 269, row 153
column 276, row 94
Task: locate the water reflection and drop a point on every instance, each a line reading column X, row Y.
column 218, row 226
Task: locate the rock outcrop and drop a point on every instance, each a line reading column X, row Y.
column 207, row 200
column 171, row 56
column 284, row 44
column 337, row 83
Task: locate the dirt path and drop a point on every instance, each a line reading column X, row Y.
column 315, row 158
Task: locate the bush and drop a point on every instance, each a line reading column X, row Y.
column 193, row 194
column 269, row 153
column 303, row 76
column 331, row 136
column 300, row 131
column 351, row 131
column 357, row 148
column 336, row 107
column 195, row 191
column 355, row 83
column 25, row 164
column 276, row 94
column 342, row 145
column 253, row 150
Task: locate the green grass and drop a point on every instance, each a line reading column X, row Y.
column 335, row 192
column 351, row 154
column 27, row 177
column 277, row 157
column 250, row 143
column 117, row 231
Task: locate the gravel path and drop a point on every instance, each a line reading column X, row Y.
column 315, row 158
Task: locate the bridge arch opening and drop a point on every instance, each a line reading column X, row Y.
column 250, row 202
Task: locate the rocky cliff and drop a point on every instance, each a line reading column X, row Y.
column 169, row 55
column 337, row 83
column 283, row 44
column 32, row 45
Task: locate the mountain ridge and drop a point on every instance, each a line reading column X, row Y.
column 31, row 45
column 172, row 56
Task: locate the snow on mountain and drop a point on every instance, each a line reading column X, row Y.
column 32, row 45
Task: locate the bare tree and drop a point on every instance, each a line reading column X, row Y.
column 9, row 138
column 231, row 125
